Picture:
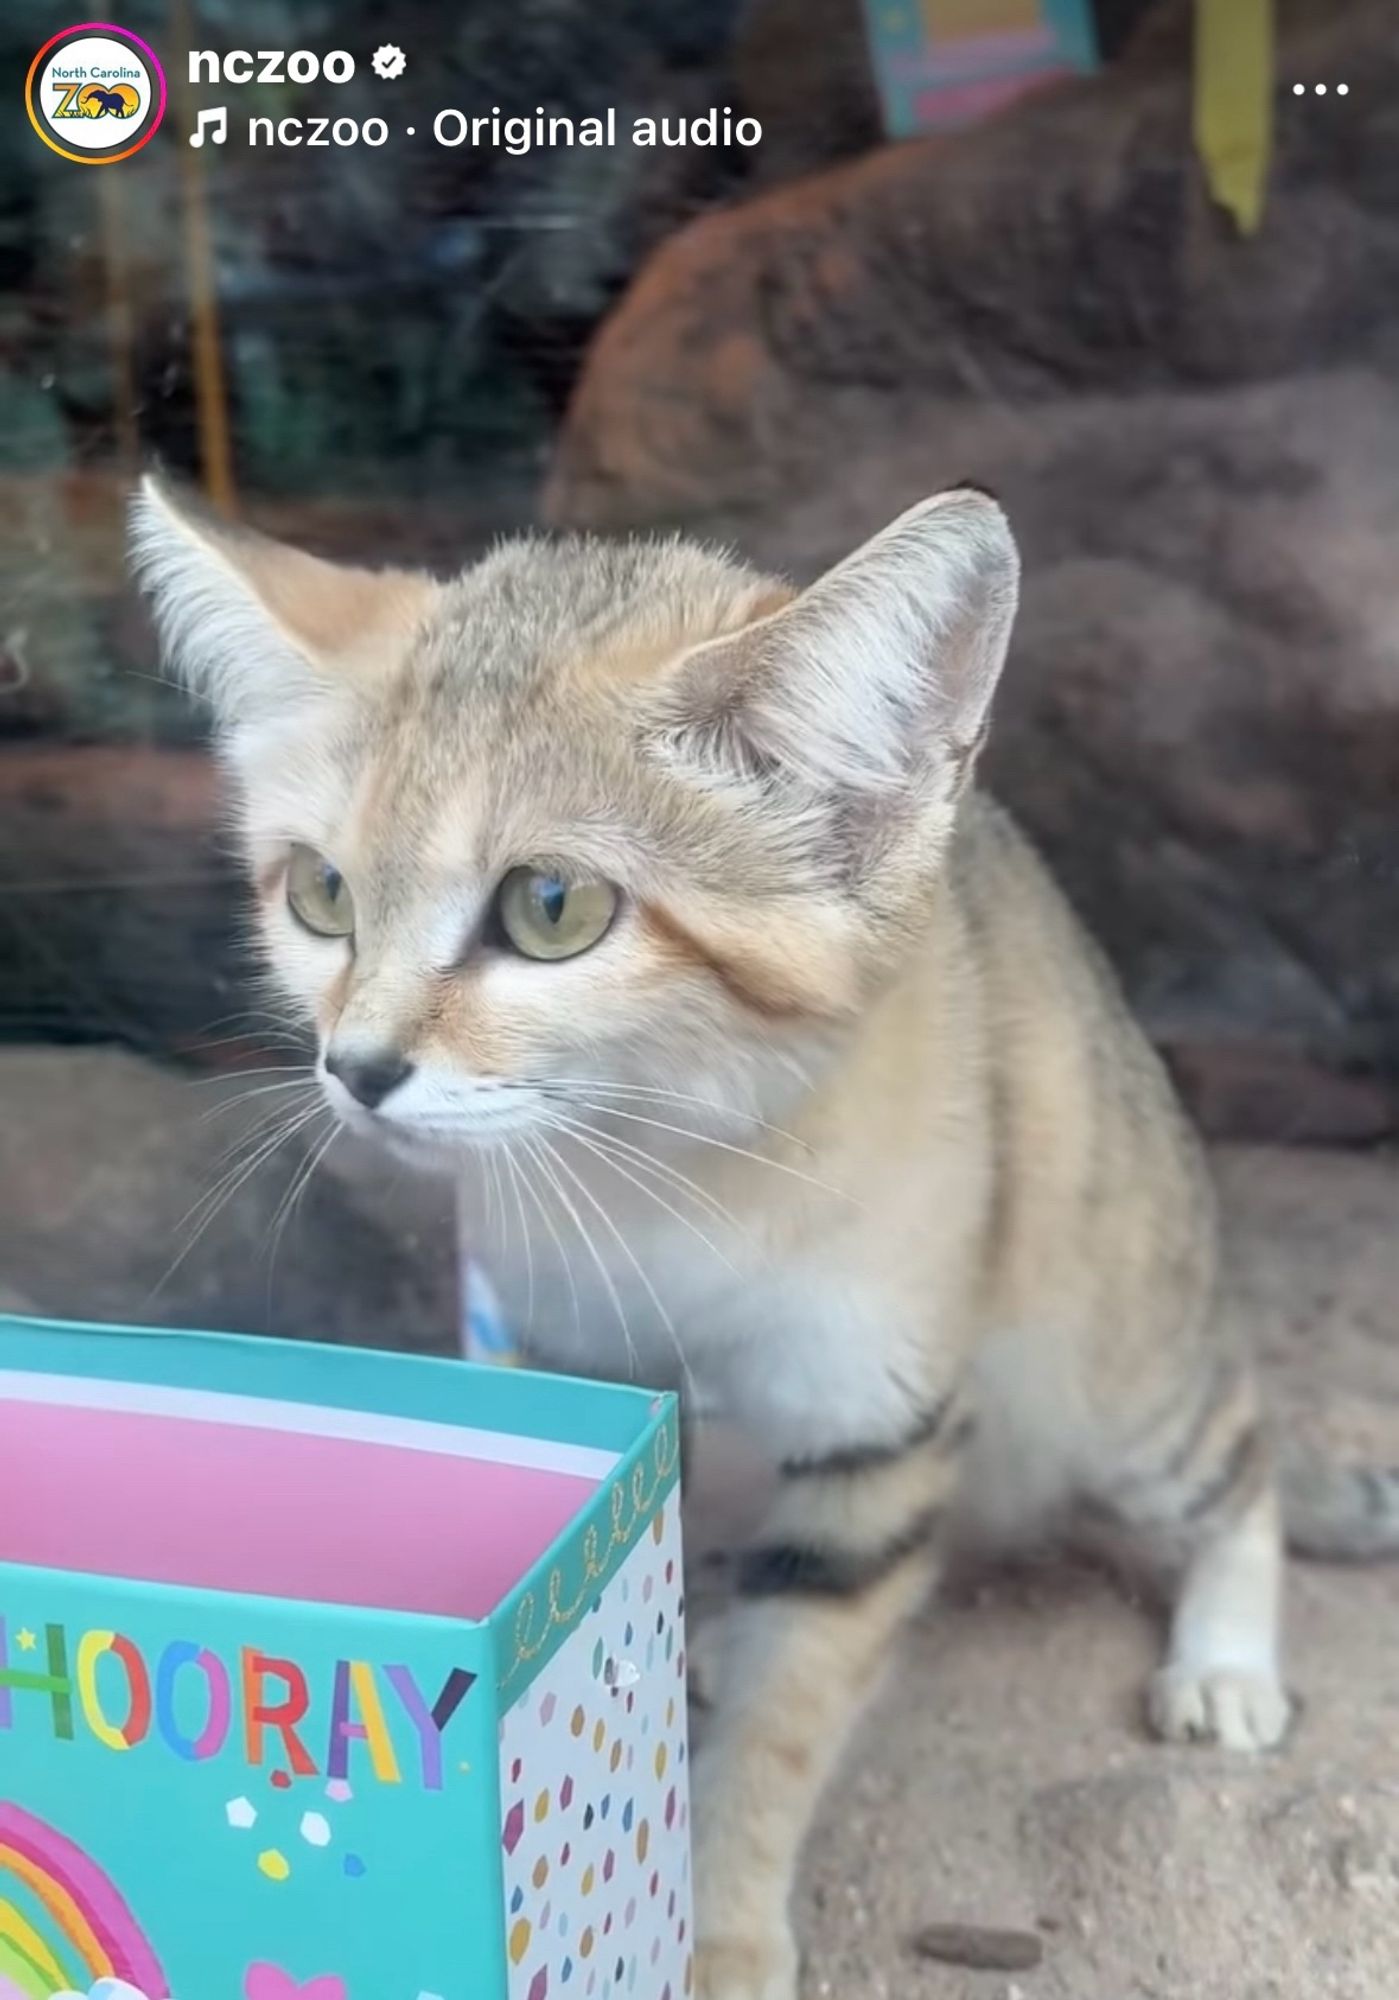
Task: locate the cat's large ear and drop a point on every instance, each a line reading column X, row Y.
column 877, row 679
column 255, row 625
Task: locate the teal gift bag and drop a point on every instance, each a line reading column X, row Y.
column 335, row 1675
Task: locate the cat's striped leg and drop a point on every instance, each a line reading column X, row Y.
column 847, row 1555
column 1207, row 1490
column 1221, row 1680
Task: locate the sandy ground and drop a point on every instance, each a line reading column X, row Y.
column 1003, row 1778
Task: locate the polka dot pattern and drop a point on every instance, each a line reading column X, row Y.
column 595, row 1807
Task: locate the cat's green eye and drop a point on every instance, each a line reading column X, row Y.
column 317, row 894
column 546, row 916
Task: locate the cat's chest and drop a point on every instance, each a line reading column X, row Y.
column 804, row 1350
column 642, row 1301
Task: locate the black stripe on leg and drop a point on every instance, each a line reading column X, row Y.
column 1217, row 1383
column 1128, row 1495
column 1243, row 1461
column 786, row 1569
column 855, row 1458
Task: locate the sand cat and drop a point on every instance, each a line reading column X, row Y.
column 665, row 891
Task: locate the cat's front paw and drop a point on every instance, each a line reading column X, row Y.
column 747, row 1968
column 1238, row 1710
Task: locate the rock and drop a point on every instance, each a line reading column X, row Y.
column 1195, row 436
column 118, row 899
column 106, row 1161
column 1363, row 1868
column 977, row 1948
column 1066, row 245
column 833, row 112
column 1101, row 1823
column 1247, row 1090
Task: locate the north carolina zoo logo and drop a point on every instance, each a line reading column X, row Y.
column 96, row 100
column 95, row 94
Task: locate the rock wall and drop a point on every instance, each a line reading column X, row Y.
column 1198, row 439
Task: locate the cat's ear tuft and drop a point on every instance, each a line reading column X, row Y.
column 253, row 624
column 878, row 678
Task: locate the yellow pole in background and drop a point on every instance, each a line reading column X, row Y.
column 1234, row 103
column 211, row 400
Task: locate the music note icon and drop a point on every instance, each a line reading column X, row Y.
column 211, row 124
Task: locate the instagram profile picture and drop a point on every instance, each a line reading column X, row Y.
column 95, row 93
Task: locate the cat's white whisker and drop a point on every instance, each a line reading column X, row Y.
column 723, row 1146
column 550, row 1225
column 267, row 1121
column 217, row 1198
column 600, row 1086
column 512, row 1170
column 594, row 1142
column 300, row 1079
column 288, row 1204
column 625, row 1247
column 490, row 1172
column 550, row 1163
column 250, row 1149
column 231, row 1076
column 670, row 1174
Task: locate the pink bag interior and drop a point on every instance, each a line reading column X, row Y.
column 227, row 1493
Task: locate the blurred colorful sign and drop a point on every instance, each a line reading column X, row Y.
column 943, row 63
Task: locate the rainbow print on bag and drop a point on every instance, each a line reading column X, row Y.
column 65, row 1932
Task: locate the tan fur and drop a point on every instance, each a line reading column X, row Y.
column 843, row 1126
column 754, row 982
column 644, row 645
column 331, row 609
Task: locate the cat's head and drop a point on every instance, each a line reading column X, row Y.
column 588, row 818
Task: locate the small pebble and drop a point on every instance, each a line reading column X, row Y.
column 979, row 1949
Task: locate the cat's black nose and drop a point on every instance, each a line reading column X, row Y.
column 369, row 1077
